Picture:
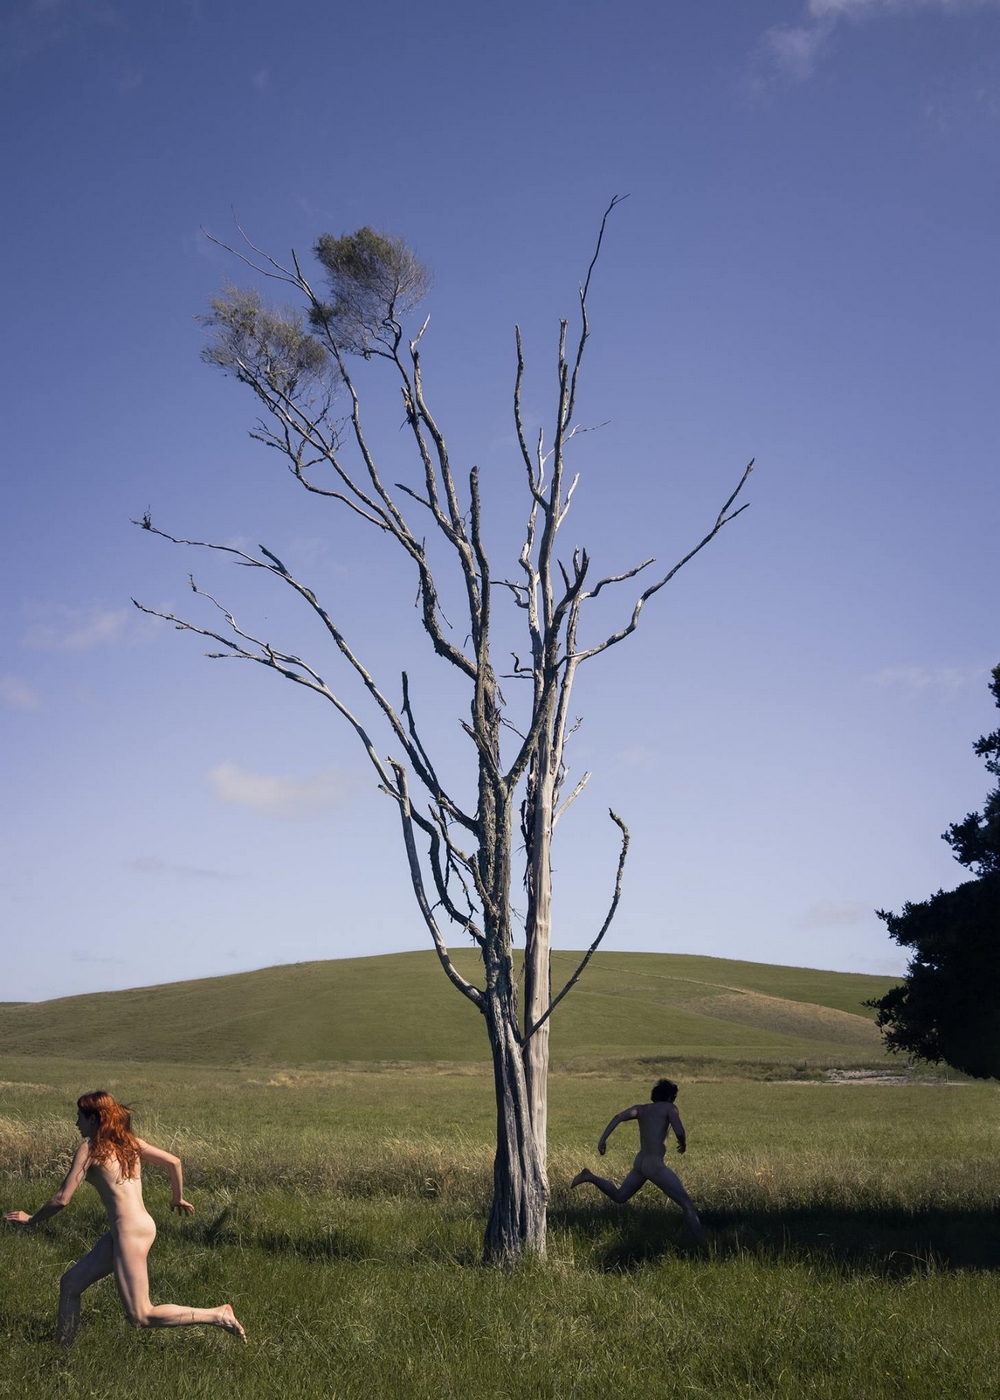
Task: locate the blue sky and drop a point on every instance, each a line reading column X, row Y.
column 805, row 272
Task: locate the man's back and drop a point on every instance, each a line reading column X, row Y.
column 655, row 1122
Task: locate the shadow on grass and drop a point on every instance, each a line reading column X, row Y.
column 325, row 1248
column 25, row 1327
column 232, row 1228
column 890, row 1243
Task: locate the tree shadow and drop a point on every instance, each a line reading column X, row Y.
column 232, row 1229
column 326, row 1248
column 26, row 1327
column 890, row 1243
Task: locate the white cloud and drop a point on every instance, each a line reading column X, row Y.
column 941, row 678
column 792, row 51
column 852, row 9
column 75, row 629
column 639, row 757
column 84, row 955
column 130, row 81
column 261, row 79
column 18, row 694
column 820, row 9
column 28, row 27
column 832, row 913
column 150, row 865
column 279, row 796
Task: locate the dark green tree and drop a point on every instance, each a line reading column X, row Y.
column 948, row 1007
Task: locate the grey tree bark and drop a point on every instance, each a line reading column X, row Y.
column 461, row 863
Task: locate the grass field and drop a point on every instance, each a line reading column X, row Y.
column 629, row 1006
column 853, row 1240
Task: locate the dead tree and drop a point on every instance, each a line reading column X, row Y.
column 461, row 863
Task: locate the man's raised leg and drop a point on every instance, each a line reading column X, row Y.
column 619, row 1194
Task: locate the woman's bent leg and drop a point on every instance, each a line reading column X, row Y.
column 132, row 1276
column 93, row 1266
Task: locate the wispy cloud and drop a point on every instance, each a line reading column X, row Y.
column 130, row 81
column 18, row 694
column 639, row 757
column 261, row 79
column 832, row 913
column 29, row 27
column 948, row 679
column 59, row 628
column 279, row 796
column 84, row 955
column 151, row 865
column 792, row 51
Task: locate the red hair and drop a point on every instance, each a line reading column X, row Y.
column 114, row 1136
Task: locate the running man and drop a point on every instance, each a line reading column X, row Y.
column 655, row 1121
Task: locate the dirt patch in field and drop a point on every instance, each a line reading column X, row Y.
column 877, row 1076
column 803, row 1019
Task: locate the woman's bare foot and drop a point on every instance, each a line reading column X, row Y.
column 580, row 1178
column 228, row 1320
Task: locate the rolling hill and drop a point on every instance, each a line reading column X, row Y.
column 399, row 1007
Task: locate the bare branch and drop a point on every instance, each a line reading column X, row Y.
column 437, row 833
column 518, row 589
column 416, row 876
column 723, row 519
column 597, row 941
column 584, row 322
column 533, row 483
column 425, row 769
column 569, row 497
column 455, row 862
column 279, row 570
column 619, row 578
column 291, row 667
column 572, row 797
column 282, row 274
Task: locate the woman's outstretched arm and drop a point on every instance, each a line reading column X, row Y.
column 149, row 1153
column 76, row 1173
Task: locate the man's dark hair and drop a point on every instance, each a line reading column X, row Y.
column 664, row 1091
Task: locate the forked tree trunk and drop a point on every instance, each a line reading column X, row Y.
column 538, row 943
column 297, row 376
column 517, row 1219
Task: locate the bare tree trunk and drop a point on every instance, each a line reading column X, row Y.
column 298, row 375
column 517, row 1219
column 538, row 939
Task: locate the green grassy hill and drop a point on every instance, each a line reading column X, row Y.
column 400, row 1007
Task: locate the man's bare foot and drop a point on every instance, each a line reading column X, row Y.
column 579, row 1179
column 228, row 1320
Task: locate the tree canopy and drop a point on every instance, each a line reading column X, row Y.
column 948, row 1007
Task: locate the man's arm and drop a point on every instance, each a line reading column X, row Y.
column 618, row 1118
column 678, row 1127
column 149, row 1153
column 62, row 1198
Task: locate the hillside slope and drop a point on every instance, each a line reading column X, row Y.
column 401, row 1007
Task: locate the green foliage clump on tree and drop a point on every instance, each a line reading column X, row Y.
column 262, row 345
column 948, row 1007
column 374, row 280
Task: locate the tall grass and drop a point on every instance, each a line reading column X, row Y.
column 853, row 1243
